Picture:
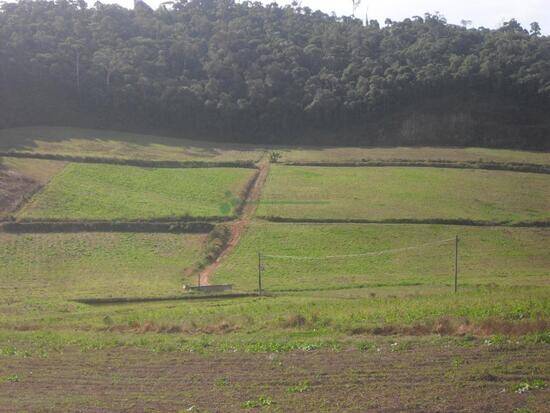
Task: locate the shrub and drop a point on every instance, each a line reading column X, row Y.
column 275, row 157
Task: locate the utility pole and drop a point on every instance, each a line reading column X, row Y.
column 355, row 5
column 456, row 264
column 259, row 273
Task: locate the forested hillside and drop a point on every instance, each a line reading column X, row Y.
column 245, row 71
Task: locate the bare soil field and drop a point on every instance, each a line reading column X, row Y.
column 431, row 378
column 21, row 178
column 13, row 187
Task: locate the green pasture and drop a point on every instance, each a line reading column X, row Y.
column 123, row 145
column 107, row 192
column 503, row 276
column 502, row 256
column 351, row 154
column 57, row 267
column 385, row 193
column 273, row 324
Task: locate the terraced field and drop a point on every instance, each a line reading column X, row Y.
column 48, row 268
column 374, row 299
column 121, row 145
column 107, row 192
column 415, row 194
column 343, row 155
column 503, row 256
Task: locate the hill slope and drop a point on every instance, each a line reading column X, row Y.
column 244, row 71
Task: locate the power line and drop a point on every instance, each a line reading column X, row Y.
column 366, row 254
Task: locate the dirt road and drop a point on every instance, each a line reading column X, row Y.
column 239, row 226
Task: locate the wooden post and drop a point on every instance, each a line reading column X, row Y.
column 199, row 280
column 456, row 264
column 260, row 273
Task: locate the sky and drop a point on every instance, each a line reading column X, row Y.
column 486, row 13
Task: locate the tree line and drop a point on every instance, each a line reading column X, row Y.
column 267, row 73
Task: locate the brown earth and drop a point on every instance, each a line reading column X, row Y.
column 425, row 379
column 21, row 178
column 14, row 187
column 239, row 226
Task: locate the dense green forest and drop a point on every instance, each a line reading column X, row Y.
column 246, row 71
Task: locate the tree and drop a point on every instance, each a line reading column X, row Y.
column 535, row 29
column 225, row 67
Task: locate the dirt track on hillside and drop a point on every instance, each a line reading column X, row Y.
column 239, row 226
column 425, row 379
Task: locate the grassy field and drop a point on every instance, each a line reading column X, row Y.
column 503, row 256
column 47, row 268
column 413, row 154
column 405, row 193
column 503, row 276
column 124, row 145
column 85, row 191
column 490, row 336
column 337, row 334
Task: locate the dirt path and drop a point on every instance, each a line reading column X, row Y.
column 238, row 227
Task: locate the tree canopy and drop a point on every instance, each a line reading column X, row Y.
column 262, row 72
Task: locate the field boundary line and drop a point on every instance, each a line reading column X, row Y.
column 492, row 166
column 183, row 227
column 143, row 163
column 130, row 300
column 412, row 221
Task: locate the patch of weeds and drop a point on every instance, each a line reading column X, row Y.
column 497, row 340
column 309, row 347
column 365, row 346
column 466, row 341
column 538, row 338
column 299, row 388
column 222, row 381
column 519, row 314
column 457, row 362
column 215, row 243
column 116, row 378
column 403, row 346
column 526, row 386
column 9, row 351
column 230, row 202
column 275, row 347
column 14, row 352
column 189, row 409
column 261, row 401
column 12, row 378
column 269, row 347
column 523, row 410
